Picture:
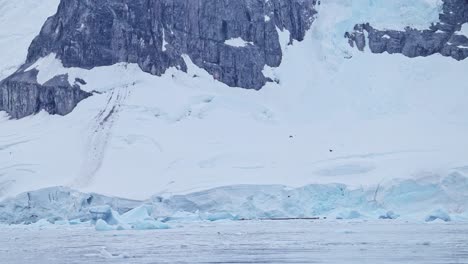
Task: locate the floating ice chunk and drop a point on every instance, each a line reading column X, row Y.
column 138, row 214
column 138, row 219
column 105, row 213
column 42, row 223
column 102, row 225
column 114, row 218
column 438, row 215
column 149, row 224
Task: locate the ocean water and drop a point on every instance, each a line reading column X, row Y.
column 301, row 241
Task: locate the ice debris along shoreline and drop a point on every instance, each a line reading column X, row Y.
column 422, row 200
column 106, row 219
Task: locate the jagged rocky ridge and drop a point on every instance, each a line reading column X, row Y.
column 155, row 34
column 440, row 38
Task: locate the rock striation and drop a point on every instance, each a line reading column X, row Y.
column 444, row 37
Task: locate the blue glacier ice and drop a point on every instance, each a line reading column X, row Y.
column 138, row 219
column 422, row 200
column 438, row 215
column 102, row 225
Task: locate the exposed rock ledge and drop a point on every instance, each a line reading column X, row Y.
column 444, row 37
column 21, row 95
column 155, row 34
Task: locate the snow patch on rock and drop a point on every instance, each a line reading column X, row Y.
column 237, row 42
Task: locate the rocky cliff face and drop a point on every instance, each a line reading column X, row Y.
column 442, row 38
column 155, row 34
column 21, row 95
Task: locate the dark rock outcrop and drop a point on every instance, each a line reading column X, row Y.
column 155, row 34
column 441, row 38
column 21, row 95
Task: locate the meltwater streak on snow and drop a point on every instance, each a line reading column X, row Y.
column 358, row 121
column 101, row 129
column 242, row 242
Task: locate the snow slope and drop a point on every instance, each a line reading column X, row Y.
column 336, row 116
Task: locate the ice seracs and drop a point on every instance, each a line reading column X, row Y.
column 135, row 219
column 422, row 200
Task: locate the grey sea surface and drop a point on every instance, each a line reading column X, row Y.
column 297, row 241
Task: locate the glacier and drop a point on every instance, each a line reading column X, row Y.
column 352, row 134
column 423, row 200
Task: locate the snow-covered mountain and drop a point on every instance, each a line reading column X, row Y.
column 147, row 106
